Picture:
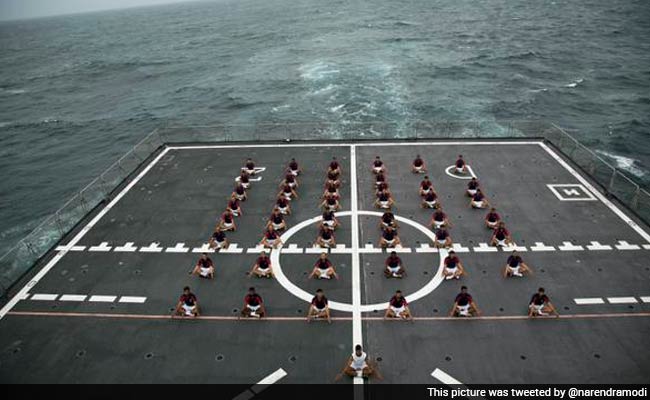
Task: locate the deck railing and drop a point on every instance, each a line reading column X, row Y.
column 32, row 248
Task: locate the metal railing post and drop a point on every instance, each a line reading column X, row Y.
column 610, row 186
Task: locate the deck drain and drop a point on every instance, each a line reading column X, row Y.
column 542, row 270
column 501, row 309
column 148, row 356
column 448, row 358
column 372, row 272
column 426, row 272
column 630, row 307
column 522, row 357
column 304, row 273
column 293, row 359
column 80, row 353
column 113, row 308
column 596, row 355
column 16, row 350
column 435, row 310
column 566, row 308
column 54, row 306
column 235, row 310
column 137, row 272
column 299, row 311
column 219, row 357
column 484, row 271
column 375, row 311
column 379, row 359
column 600, row 270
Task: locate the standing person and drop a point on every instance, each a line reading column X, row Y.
column 540, row 305
column 319, row 307
column 398, row 307
column 253, row 305
column 464, row 305
column 188, row 304
column 359, row 365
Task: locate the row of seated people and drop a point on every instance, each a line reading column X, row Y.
column 330, row 204
column 464, row 305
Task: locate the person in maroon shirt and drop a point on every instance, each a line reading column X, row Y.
column 472, row 186
column 383, row 187
column 253, row 305
column 492, row 218
column 426, row 186
column 331, row 190
column 439, row 219
column 249, row 167
column 334, row 166
column 429, row 200
column 453, row 267
column 464, row 305
column 388, row 221
column 271, row 239
column 288, row 192
column 293, row 167
column 501, row 236
column 540, row 305
column 239, row 193
column 319, row 307
column 188, row 305
column 443, row 239
column 233, row 206
column 418, row 166
column 283, row 205
column 290, row 179
column 244, row 180
column 398, row 307
column 323, row 269
column 331, row 203
column 378, row 166
column 389, row 238
column 384, row 200
column 276, row 221
column 204, row 268
column 262, row 267
column 393, row 267
column 461, row 166
column 325, row 238
column 329, row 221
column 218, row 239
column 227, row 221
column 479, row 200
column 333, row 178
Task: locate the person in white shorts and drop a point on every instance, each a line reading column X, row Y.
column 388, row 221
column 429, row 199
column 188, row 305
column 501, row 236
column 492, row 218
column 233, row 206
column 393, row 266
column 398, row 307
column 227, row 222
column 271, row 239
column 218, row 239
column 262, row 267
column 426, row 186
column 283, row 205
column 204, row 268
column 378, row 166
column 244, row 179
column 239, row 193
column 249, row 167
column 325, row 238
column 293, row 167
column 319, row 307
column 453, row 268
column 323, row 269
column 461, row 167
column 276, row 221
column 331, row 203
column 418, row 166
column 439, row 219
column 443, row 239
column 329, row 220
column 253, row 305
column 359, row 365
column 472, row 186
column 540, row 305
column 288, row 192
column 384, row 200
column 389, row 238
column 515, row 266
column 464, row 305
column 479, row 200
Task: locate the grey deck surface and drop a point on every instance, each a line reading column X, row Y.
column 179, row 199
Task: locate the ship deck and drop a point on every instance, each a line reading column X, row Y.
column 97, row 308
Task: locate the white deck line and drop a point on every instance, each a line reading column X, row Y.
column 645, row 299
column 589, row 300
column 344, row 144
column 73, row 297
column 40, row 274
column 272, row 378
column 596, row 193
column 443, row 377
column 357, row 325
column 102, row 299
column 44, row 297
column 622, row 300
column 132, row 299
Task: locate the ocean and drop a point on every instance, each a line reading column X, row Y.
column 78, row 91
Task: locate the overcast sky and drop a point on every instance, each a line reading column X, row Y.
column 20, row 9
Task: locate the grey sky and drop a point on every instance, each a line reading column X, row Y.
column 19, row 9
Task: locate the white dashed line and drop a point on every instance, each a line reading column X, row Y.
column 73, row 297
column 179, row 248
column 444, row 377
column 102, row 299
column 539, row 246
column 132, row 299
column 589, row 300
column 597, row 246
column 645, row 299
column 152, row 248
column 44, row 297
column 568, row 246
column 103, row 247
column 623, row 245
column 485, row 248
column 127, row 248
column 621, row 300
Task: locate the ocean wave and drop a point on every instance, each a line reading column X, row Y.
column 625, row 163
column 574, row 83
column 406, row 23
column 13, row 91
column 317, row 71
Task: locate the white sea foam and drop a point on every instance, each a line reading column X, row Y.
column 625, row 163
